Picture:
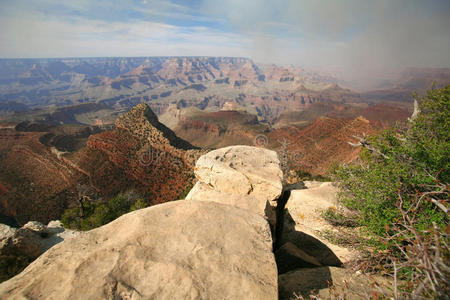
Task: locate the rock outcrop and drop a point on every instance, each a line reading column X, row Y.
column 142, row 122
column 20, row 246
column 304, row 224
column 176, row 250
column 140, row 154
column 33, row 238
column 242, row 176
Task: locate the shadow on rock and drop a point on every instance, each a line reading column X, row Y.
column 295, row 249
column 308, row 244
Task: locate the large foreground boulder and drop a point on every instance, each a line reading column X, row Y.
column 176, row 250
column 242, row 176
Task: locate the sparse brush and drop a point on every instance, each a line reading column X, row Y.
column 422, row 256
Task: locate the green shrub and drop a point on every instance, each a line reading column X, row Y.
column 304, row 176
column 185, row 192
column 410, row 160
column 400, row 190
column 99, row 213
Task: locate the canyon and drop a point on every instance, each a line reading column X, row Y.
column 39, row 181
column 44, row 88
column 139, row 123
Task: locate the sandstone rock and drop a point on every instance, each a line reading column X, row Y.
column 242, row 176
column 176, row 250
column 331, row 283
column 19, row 247
column 56, row 233
column 27, row 243
column 6, row 233
column 303, row 223
column 35, row 227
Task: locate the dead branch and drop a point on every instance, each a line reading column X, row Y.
column 364, row 143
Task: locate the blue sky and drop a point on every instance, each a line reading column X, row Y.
column 344, row 34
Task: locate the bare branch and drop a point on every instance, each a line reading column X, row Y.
column 364, row 143
column 440, row 205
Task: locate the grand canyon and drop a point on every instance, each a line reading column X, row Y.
column 62, row 117
column 176, row 149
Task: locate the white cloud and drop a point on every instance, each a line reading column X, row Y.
column 35, row 36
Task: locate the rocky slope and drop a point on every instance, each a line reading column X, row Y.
column 316, row 147
column 35, row 183
column 217, row 129
column 310, row 147
column 140, row 153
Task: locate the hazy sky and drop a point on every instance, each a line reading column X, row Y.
column 346, row 34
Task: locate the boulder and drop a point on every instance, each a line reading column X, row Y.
column 242, row 176
column 304, row 223
column 177, row 250
column 18, row 247
column 34, row 226
column 27, row 242
column 6, row 233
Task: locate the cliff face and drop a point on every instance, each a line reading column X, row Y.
column 142, row 154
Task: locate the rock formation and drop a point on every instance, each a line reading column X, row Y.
column 242, row 176
column 304, row 223
column 20, row 246
column 176, row 250
column 141, row 154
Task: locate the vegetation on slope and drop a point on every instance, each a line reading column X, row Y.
column 399, row 189
column 92, row 214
